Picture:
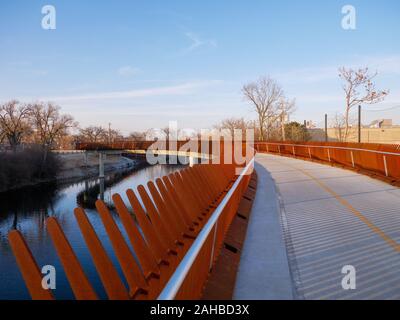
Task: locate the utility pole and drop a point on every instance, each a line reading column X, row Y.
column 326, row 128
column 109, row 132
column 359, row 124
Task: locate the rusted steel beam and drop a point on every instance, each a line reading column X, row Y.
column 77, row 278
column 108, row 274
column 28, row 267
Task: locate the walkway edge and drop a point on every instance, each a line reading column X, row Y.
column 264, row 272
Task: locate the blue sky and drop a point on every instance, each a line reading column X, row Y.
column 140, row 64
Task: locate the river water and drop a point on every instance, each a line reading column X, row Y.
column 27, row 209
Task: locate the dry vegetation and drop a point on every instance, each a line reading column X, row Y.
column 26, row 167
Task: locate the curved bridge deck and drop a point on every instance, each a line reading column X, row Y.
column 324, row 219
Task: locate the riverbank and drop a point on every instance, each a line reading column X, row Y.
column 74, row 166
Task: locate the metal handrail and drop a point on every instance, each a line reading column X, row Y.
column 330, row 147
column 175, row 282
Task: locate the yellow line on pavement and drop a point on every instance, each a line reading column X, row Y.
column 357, row 213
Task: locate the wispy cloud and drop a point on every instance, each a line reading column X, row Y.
column 26, row 67
column 385, row 65
column 39, row 73
column 319, row 98
column 197, row 42
column 126, row 71
column 309, row 75
column 181, row 89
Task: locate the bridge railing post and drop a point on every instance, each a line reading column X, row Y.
column 352, row 159
column 101, row 165
column 86, row 157
column 213, row 245
column 386, row 167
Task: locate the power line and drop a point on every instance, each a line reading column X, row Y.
column 380, row 110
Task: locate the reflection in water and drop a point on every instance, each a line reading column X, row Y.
column 95, row 189
column 102, row 188
column 21, row 203
column 28, row 208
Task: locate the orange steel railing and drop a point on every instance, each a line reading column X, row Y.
column 176, row 237
column 204, row 251
column 380, row 159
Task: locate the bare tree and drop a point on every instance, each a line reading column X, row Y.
column 359, row 89
column 14, row 122
column 93, row 134
column 114, row 135
column 49, row 124
column 252, row 124
column 169, row 134
column 186, row 134
column 285, row 108
column 137, row 136
column 66, row 142
column 264, row 94
column 2, row 135
column 166, row 132
column 339, row 124
column 232, row 124
column 152, row 134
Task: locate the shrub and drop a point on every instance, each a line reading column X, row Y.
column 27, row 167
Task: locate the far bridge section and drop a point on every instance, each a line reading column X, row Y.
column 181, row 152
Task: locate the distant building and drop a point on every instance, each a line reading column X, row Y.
column 382, row 123
column 310, row 124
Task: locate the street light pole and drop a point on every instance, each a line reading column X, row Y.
column 359, row 124
column 326, row 128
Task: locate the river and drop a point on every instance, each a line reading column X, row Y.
column 27, row 209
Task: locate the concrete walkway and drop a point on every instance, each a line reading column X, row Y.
column 326, row 218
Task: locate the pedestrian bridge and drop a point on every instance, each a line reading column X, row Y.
column 318, row 227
